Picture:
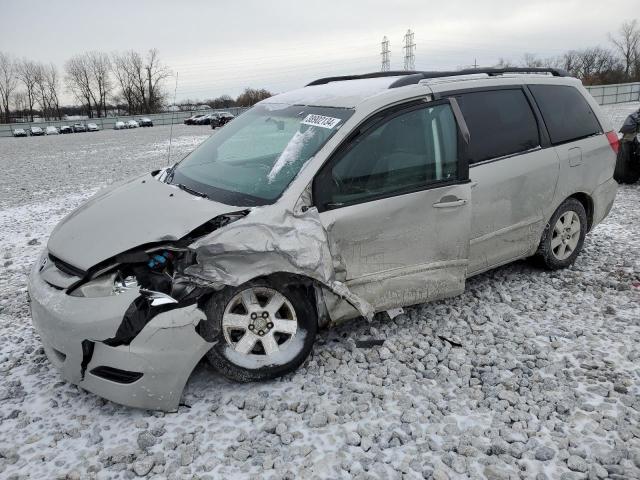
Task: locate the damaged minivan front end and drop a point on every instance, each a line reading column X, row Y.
column 122, row 295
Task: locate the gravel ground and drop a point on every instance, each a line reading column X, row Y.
column 529, row 374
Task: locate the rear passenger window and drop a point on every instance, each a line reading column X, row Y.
column 500, row 123
column 566, row 113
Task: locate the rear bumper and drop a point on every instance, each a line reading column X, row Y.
column 164, row 352
column 603, row 197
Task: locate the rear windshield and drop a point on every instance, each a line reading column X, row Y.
column 252, row 160
column 566, row 113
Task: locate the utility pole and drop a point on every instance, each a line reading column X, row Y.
column 386, row 62
column 409, row 51
column 475, row 63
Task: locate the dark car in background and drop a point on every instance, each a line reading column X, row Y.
column 192, row 119
column 207, row 119
column 145, row 122
column 222, row 118
column 79, row 127
column 36, row 131
column 66, row 129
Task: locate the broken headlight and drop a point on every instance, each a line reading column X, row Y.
column 105, row 286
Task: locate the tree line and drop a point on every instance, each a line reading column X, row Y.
column 597, row 65
column 99, row 83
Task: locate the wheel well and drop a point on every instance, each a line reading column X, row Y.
column 587, row 203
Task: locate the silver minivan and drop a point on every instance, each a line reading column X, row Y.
column 350, row 196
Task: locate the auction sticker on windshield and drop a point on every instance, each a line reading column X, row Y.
column 320, row 121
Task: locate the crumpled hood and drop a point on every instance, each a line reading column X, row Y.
column 135, row 213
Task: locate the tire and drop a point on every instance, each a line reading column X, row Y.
column 557, row 250
column 627, row 164
column 227, row 310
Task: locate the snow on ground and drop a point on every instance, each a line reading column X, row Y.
column 545, row 384
column 617, row 113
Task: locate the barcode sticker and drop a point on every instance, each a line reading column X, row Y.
column 320, row 121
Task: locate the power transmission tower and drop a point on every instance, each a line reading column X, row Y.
column 386, row 62
column 409, row 51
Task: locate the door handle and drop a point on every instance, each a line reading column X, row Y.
column 450, row 203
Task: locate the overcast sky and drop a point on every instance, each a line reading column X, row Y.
column 220, row 47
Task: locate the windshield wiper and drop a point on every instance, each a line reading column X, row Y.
column 192, row 191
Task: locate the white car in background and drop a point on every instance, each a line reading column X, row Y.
column 92, row 127
column 119, row 126
column 19, row 132
column 132, row 124
column 51, row 131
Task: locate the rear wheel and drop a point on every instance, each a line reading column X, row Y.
column 563, row 238
column 262, row 330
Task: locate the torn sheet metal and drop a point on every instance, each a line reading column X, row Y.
column 270, row 240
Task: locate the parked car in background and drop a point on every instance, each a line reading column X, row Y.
column 66, row 129
column 36, row 131
column 222, row 118
column 119, row 125
column 92, row 127
column 50, row 130
column 192, row 119
column 132, row 124
column 145, row 122
column 79, row 127
column 19, row 132
column 206, row 119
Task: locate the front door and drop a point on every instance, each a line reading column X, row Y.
column 395, row 202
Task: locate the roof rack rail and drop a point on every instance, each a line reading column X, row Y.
column 323, row 81
column 413, row 77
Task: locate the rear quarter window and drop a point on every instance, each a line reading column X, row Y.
column 500, row 122
column 566, row 113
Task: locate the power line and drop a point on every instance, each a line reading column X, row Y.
column 386, row 62
column 409, row 51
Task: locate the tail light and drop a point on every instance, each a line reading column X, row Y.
column 614, row 142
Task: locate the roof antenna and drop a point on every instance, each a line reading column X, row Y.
column 172, row 115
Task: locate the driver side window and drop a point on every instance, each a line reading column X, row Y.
column 404, row 154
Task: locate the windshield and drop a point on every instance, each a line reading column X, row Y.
column 252, row 160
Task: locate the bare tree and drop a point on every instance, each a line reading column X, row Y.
column 156, row 73
column 41, row 91
column 8, row 82
column 27, row 72
column 52, row 81
column 78, row 80
column 140, row 80
column 627, row 43
column 99, row 65
column 123, row 71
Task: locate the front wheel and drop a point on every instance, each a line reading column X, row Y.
column 262, row 330
column 564, row 236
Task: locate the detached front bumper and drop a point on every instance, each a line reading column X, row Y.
column 149, row 373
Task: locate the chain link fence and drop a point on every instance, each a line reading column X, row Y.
column 6, row 129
